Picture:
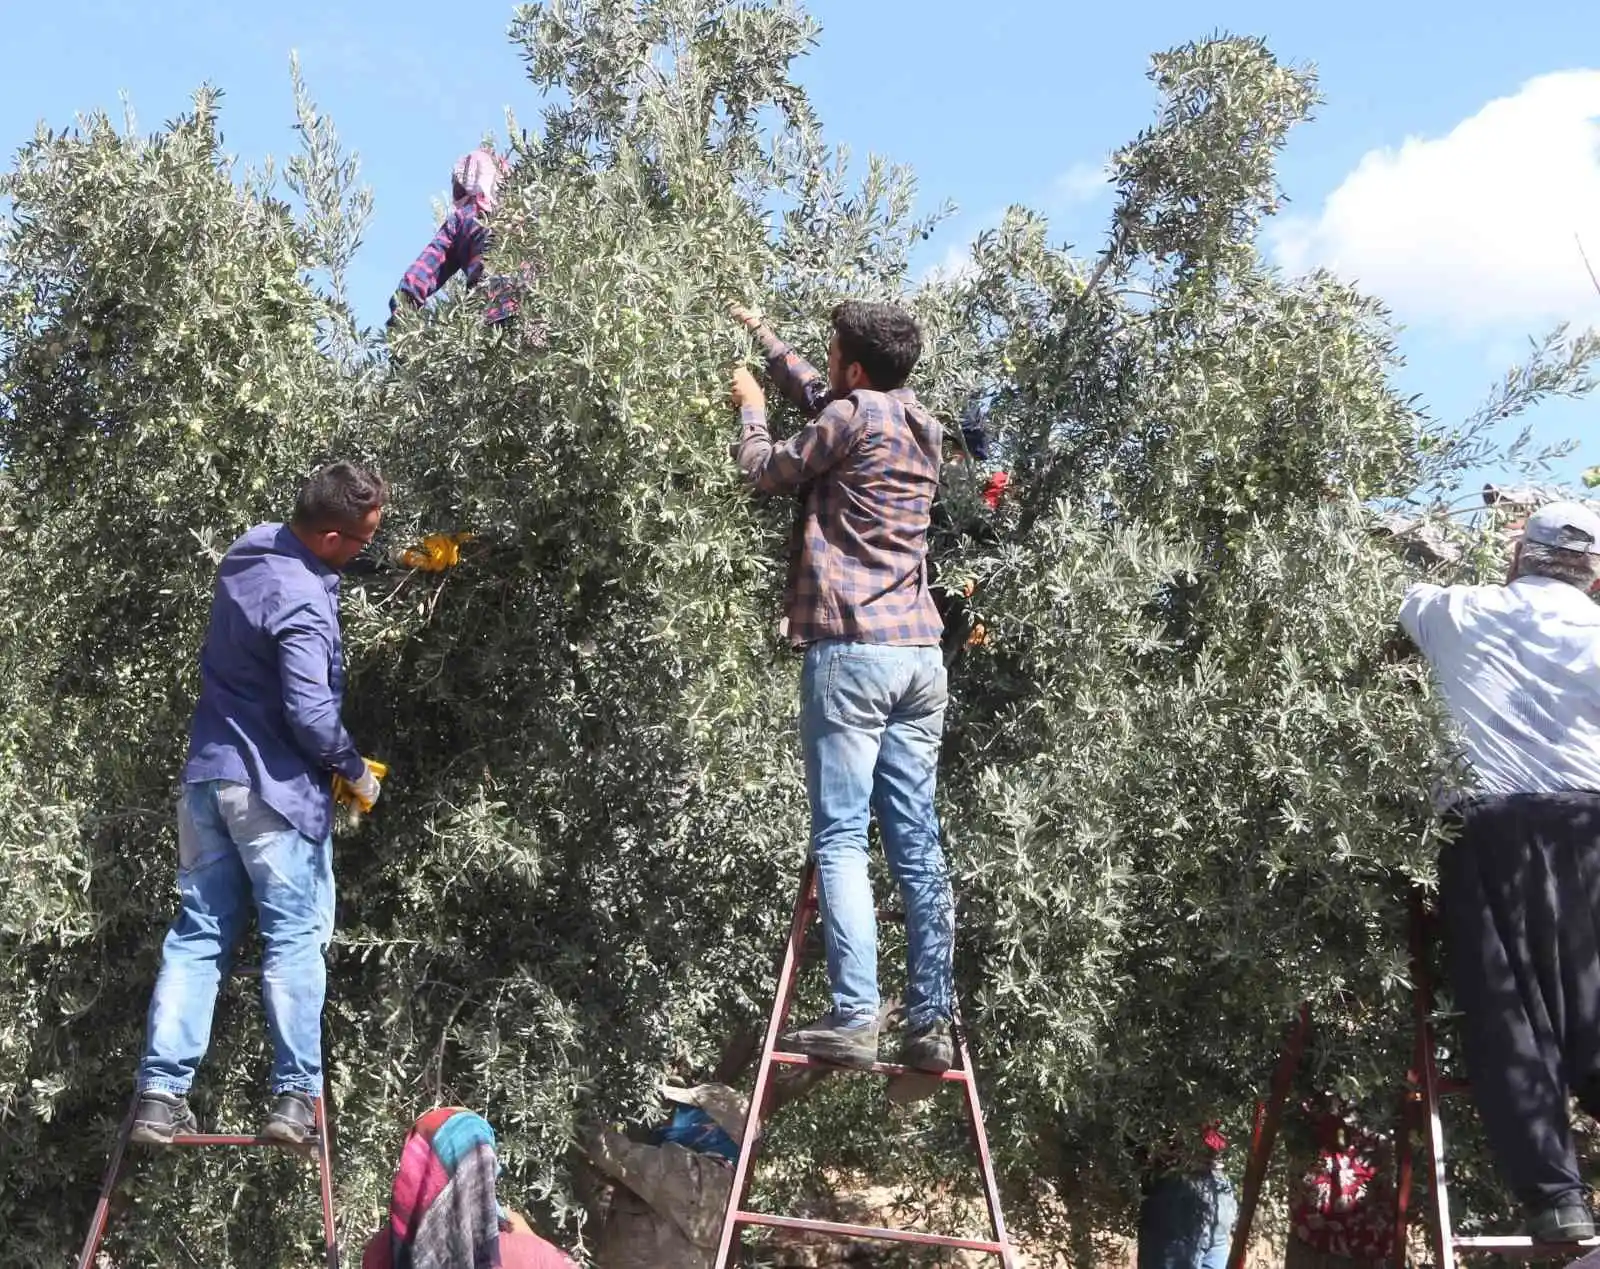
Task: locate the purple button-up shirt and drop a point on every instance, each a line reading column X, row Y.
column 272, row 681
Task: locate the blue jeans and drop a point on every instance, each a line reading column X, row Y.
column 235, row 851
column 1186, row 1222
column 871, row 716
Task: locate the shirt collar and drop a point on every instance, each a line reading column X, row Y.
column 290, row 544
column 1553, row 588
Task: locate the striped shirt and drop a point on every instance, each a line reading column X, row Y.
column 867, row 465
column 458, row 247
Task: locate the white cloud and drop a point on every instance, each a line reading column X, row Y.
column 1081, row 183
column 1477, row 229
column 954, row 265
column 1078, row 186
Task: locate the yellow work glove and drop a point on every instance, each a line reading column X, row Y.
column 360, row 794
column 437, row 552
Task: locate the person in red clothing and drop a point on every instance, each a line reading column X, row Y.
column 462, row 241
column 1344, row 1211
column 443, row 1210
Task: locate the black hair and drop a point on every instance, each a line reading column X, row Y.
column 338, row 494
column 883, row 338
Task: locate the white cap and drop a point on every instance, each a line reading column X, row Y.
column 1567, row 526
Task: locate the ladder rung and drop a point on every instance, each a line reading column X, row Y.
column 229, row 1139
column 1521, row 1247
column 868, row 1231
column 952, row 1076
column 1447, row 1088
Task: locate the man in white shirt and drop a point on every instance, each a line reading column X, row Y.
column 1519, row 668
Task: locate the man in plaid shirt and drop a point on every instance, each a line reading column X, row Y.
column 873, row 688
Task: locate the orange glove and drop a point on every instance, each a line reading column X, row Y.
column 437, row 552
column 363, row 793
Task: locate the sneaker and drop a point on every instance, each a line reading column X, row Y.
column 160, row 1117
column 929, row 1048
column 292, row 1119
column 1567, row 1222
column 828, row 1040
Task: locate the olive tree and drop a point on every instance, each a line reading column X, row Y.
column 1185, row 778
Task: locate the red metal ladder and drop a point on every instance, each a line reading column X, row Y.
column 737, row 1216
column 108, row 1186
column 319, row 1144
column 1420, row 1100
column 1420, row 1109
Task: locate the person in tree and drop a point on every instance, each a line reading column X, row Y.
column 873, row 685
column 267, row 750
column 462, row 241
column 1519, row 670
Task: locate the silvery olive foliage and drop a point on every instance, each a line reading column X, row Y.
column 1185, row 783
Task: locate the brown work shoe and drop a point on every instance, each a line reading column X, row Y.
column 829, row 1040
column 292, row 1121
column 929, row 1048
column 161, row 1116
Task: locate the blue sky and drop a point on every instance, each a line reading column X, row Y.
column 1459, row 212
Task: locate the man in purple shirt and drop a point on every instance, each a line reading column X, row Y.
column 255, row 820
column 873, row 688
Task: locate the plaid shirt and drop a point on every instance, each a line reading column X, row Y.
column 868, row 464
column 458, row 247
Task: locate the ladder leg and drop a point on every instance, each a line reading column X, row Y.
column 330, row 1232
column 980, row 1138
column 1402, row 1178
column 804, row 906
column 1427, row 1068
column 1266, row 1136
column 108, row 1186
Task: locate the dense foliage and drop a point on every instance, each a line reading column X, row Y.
column 1185, row 783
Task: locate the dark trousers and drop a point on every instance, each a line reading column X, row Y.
column 1520, row 889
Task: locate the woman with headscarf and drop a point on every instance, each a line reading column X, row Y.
column 444, row 1213
column 462, row 240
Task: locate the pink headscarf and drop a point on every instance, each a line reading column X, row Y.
column 478, row 174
